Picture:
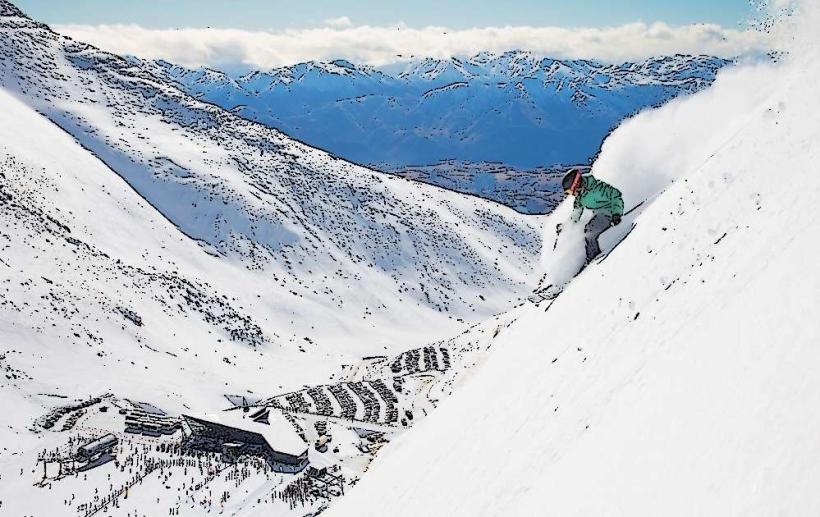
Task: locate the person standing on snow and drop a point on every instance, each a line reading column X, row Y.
column 603, row 199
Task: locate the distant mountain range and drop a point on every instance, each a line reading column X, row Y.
column 513, row 108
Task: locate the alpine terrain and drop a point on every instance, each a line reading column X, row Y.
column 163, row 257
column 201, row 315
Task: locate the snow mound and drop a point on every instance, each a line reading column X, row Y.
column 676, row 377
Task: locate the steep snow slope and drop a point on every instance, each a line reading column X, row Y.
column 514, row 108
column 99, row 292
column 676, row 377
column 351, row 247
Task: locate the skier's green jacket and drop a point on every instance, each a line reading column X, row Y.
column 597, row 195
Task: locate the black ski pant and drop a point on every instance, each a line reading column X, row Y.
column 599, row 223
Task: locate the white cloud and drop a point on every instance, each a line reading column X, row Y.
column 383, row 45
column 340, row 22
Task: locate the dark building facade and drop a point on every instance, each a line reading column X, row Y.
column 224, row 439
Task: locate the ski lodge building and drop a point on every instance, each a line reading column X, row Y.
column 232, row 435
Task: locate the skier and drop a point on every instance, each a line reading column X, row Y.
column 607, row 205
column 603, row 199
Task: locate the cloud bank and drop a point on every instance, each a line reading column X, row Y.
column 377, row 46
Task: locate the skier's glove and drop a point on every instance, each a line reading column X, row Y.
column 616, row 220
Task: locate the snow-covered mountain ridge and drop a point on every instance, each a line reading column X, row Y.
column 514, row 108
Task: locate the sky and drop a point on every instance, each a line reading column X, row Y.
column 458, row 14
column 237, row 35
